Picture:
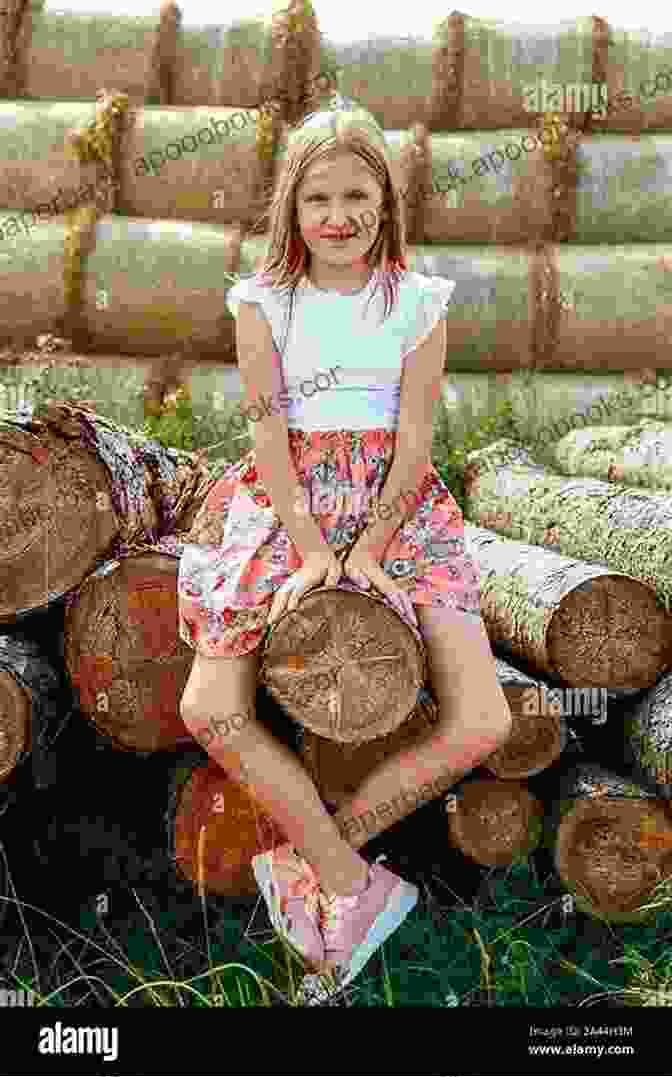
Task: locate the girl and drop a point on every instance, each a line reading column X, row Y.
column 337, row 245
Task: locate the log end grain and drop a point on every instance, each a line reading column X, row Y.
column 536, row 740
column 57, row 517
column 338, row 769
column 218, row 828
column 611, row 632
column 495, row 823
column 615, row 855
column 344, row 665
column 124, row 655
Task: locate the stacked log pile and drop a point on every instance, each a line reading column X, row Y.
column 615, row 605
column 128, row 667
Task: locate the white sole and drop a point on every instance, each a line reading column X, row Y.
column 400, row 902
column 263, row 873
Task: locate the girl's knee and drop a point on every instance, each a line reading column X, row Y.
column 213, row 680
column 488, row 721
column 191, row 713
column 195, row 719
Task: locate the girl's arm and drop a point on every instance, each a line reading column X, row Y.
column 256, row 362
column 420, row 389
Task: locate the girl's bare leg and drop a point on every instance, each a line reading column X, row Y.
column 474, row 720
column 221, row 688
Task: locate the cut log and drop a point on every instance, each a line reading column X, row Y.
column 494, row 823
column 338, row 768
column 344, row 664
column 648, row 729
column 123, row 653
column 612, row 842
column 59, row 517
column 78, row 487
column 539, row 733
column 622, row 534
column 33, row 698
column 637, row 455
column 575, row 621
column 215, row 827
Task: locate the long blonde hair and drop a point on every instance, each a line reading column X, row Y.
column 319, row 136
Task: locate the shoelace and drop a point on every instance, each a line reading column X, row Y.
column 325, row 910
column 334, row 908
column 320, row 987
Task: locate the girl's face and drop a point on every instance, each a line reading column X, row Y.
column 339, row 197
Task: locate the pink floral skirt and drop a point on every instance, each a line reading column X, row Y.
column 241, row 553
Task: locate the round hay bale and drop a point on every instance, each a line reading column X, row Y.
column 124, row 655
column 613, row 845
column 215, row 827
column 344, row 664
column 495, row 823
column 338, row 768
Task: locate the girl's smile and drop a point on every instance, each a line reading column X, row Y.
column 339, row 208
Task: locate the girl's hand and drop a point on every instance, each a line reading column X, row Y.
column 317, row 566
column 364, row 570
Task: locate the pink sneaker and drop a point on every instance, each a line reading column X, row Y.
column 292, row 894
column 354, row 927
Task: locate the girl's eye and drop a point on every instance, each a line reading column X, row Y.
column 313, row 197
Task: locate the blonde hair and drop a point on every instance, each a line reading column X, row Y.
column 321, row 135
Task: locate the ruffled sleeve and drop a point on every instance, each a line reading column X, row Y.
column 250, row 291
column 429, row 304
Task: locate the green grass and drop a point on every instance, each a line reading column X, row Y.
column 500, row 953
column 512, row 949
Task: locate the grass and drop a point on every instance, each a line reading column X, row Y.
column 499, row 952
column 511, row 946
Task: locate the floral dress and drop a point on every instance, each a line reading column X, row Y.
column 240, row 552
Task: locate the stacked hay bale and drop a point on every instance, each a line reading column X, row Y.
column 548, row 190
